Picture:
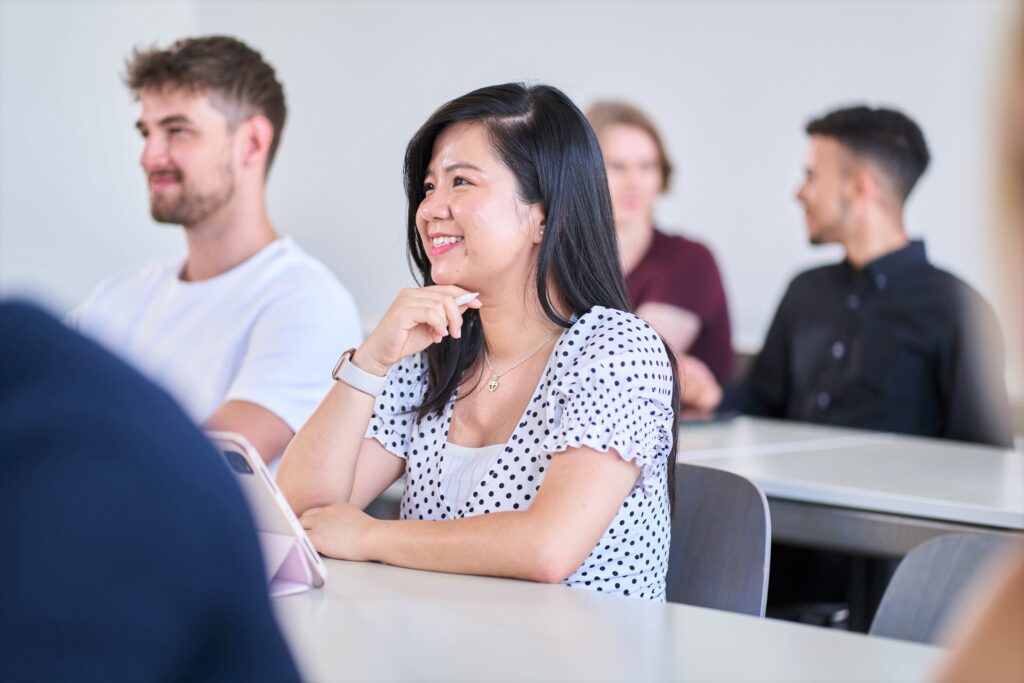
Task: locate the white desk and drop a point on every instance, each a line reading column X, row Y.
column 380, row 623
column 863, row 491
column 744, row 436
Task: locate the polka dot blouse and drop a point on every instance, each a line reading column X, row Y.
column 607, row 385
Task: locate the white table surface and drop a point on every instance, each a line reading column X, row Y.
column 929, row 478
column 759, row 436
column 381, row 623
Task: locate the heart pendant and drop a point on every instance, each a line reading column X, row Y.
column 493, row 384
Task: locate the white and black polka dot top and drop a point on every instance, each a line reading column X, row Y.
column 607, row 385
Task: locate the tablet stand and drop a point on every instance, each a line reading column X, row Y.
column 287, row 571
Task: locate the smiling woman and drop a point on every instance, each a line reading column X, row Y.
column 516, row 364
column 470, row 216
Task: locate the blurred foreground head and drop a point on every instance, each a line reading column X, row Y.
column 1009, row 244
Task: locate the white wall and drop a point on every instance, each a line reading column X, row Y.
column 730, row 82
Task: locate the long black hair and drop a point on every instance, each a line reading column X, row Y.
column 547, row 144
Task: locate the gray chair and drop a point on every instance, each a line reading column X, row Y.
column 721, row 541
column 927, row 584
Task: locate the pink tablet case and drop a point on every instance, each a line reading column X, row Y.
column 287, row 571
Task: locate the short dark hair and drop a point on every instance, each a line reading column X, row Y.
column 545, row 141
column 606, row 113
column 886, row 136
column 222, row 66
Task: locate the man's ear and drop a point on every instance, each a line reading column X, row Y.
column 864, row 184
column 258, row 135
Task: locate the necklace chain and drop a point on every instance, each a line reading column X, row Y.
column 495, row 376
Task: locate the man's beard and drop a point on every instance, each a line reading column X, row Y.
column 818, row 238
column 827, row 234
column 191, row 206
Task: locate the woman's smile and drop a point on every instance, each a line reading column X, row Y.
column 440, row 244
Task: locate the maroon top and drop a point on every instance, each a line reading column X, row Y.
column 683, row 273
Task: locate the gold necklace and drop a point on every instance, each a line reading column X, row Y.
column 492, row 386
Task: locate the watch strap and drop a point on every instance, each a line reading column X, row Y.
column 357, row 378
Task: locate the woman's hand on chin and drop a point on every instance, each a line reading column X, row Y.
column 339, row 531
column 417, row 318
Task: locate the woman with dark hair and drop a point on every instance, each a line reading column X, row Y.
column 516, row 363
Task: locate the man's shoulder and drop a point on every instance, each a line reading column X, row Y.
column 942, row 287
column 824, row 270
column 135, row 276
column 127, row 287
column 810, row 281
column 295, row 288
column 932, row 275
column 295, row 269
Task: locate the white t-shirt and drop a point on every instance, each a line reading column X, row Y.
column 267, row 331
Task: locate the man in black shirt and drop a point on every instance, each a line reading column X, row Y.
column 883, row 340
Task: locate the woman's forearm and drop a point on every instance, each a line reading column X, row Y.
column 583, row 490
column 508, row 544
column 319, row 465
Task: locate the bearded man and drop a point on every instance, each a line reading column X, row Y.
column 240, row 331
column 883, row 340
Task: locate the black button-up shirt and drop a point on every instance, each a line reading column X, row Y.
column 898, row 346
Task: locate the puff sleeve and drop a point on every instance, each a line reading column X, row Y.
column 617, row 396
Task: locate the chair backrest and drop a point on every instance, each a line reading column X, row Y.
column 927, row 583
column 721, row 541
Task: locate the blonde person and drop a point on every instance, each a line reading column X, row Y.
column 673, row 282
column 535, row 424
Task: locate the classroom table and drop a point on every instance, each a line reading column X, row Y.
column 381, row 623
column 867, row 492
column 759, row 436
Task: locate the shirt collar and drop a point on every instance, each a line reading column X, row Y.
column 884, row 267
column 913, row 254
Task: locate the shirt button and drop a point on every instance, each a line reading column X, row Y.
column 881, row 281
column 853, row 302
column 823, row 400
column 838, row 350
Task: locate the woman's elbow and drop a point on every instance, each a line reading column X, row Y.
column 301, row 497
column 553, row 562
column 296, row 501
column 551, row 573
